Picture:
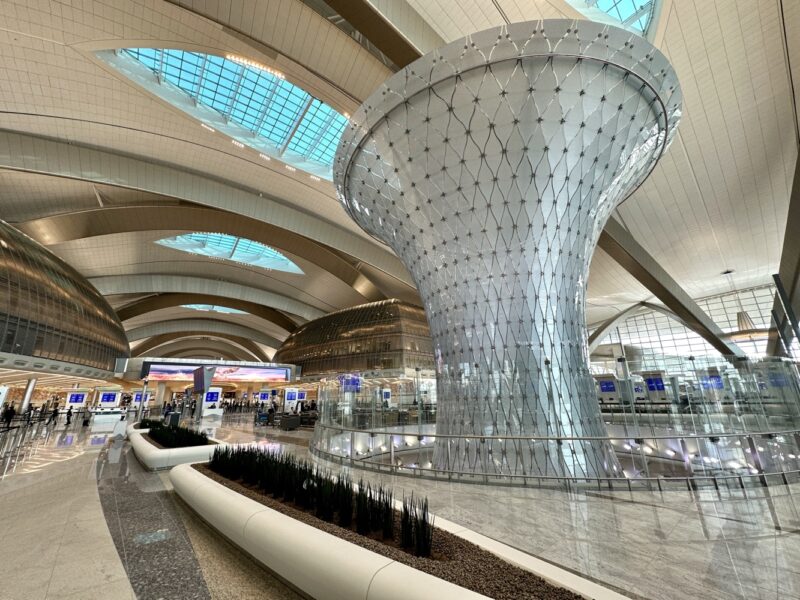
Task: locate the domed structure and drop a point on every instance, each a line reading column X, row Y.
column 51, row 311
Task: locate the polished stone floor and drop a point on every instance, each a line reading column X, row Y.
column 82, row 520
column 77, row 502
column 676, row 544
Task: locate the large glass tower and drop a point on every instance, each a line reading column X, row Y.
column 490, row 166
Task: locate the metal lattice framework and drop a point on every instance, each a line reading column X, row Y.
column 490, row 166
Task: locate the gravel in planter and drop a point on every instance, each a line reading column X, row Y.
column 454, row 559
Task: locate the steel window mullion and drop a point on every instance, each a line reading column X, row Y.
column 234, row 93
column 200, row 76
column 265, row 106
column 643, row 10
column 295, row 125
column 323, row 128
column 160, row 71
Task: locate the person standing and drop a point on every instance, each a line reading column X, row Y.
column 69, row 416
column 53, row 415
column 8, row 415
column 29, row 413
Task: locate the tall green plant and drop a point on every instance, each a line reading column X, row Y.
column 362, row 509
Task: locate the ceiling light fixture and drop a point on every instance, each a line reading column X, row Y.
column 255, row 65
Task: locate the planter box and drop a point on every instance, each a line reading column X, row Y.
column 131, row 429
column 155, row 458
column 342, row 571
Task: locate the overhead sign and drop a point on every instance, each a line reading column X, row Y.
column 184, row 372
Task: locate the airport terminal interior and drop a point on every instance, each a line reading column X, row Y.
column 399, row 299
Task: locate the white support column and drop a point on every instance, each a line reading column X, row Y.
column 26, row 398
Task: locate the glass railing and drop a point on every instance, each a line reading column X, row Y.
column 687, row 422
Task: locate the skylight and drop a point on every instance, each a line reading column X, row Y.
column 251, row 103
column 634, row 15
column 236, row 249
column 214, row 308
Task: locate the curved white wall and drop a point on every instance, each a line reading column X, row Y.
column 342, row 571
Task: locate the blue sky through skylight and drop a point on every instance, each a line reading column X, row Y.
column 297, row 128
column 635, row 15
column 229, row 247
column 214, row 308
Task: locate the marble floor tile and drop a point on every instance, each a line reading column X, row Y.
column 85, row 572
column 116, row 590
column 24, row 583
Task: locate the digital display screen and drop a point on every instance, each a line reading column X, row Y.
column 712, row 382
column 77, row 398
column 212, row 396
column 108, row 397
column 778, row 380
column 350, row 383
column 65, row 441
column 301, row 395
column 224, row 374
column 387, row 394
column 291, row 396
column 655, row 384
column 607, row 386
column 263, row 396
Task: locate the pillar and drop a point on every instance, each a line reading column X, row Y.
column 490, row 166
column 28, row 395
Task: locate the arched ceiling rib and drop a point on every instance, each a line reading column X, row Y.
column 205, row 354
column 153, row 284
column 152, row 346
column 199, row 327
column 103, row 221
column 231, row 346
column 34, row 154
column 160, row 301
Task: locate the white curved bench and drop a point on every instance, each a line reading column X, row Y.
column 155, row 458
column 342, row 570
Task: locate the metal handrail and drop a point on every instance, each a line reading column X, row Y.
column 558, row 438
column 470, row 475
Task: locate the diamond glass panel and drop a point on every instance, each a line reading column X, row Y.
column 228, row 247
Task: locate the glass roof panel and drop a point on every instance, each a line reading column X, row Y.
column 229, row 247
column 215, row 308
column 635, row 15
column 277, row 117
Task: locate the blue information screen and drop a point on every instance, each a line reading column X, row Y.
column 778, row 380
column 655, row 384
column 387, row 394
column 291, row 396
column 264, row 396
column 712, row 382
column 108, row 397
column 76, row 398
column 607, row 386
column 301, row 395
column 350, row 383
column 212, row 396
